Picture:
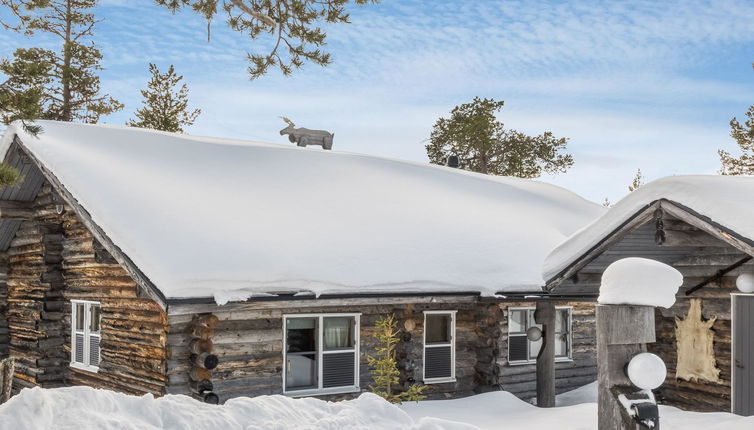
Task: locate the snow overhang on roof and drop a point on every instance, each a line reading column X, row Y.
column 722, row 202
column 229, row 219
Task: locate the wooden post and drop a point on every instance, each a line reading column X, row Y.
column 622, row 332
column 545, row 315
column 6, row 379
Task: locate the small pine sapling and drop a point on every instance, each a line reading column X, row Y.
column 9, row 176
column 385, row 366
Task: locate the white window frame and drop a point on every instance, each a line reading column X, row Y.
column 319, row 391
column 452, row 344
column 87, row 335
column 567, row 358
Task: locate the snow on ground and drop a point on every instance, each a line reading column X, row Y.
column 639, row 281
column 84, row 408
column 720, row 198
column 204, row 217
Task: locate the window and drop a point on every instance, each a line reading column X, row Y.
column 85, row 335
column 521, row 350
column 439, row 346
column 321, row 354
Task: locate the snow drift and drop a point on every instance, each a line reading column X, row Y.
column 725, row 200
column 205, row 217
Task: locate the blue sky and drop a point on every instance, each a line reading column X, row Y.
column 640, row 84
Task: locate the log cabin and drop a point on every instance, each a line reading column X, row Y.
column 149, row 262
column 704, row 227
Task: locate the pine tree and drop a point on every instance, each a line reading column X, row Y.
column 292, row 26
column 66, row 79
column 385, row 366
column 606, row 203
column 474, row 134
column 164, row 108
column 744, row 136
column 637, row 182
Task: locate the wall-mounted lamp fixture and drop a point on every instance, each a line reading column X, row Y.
column 745, row 282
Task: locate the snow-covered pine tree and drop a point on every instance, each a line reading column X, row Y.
column 637, row 182
column 385, row 366
column 744, row 136
column 165, row 106
column 66, row 78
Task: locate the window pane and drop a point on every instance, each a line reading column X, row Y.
column 95, row 320
column 534, row 348
column 438, row 328
column 301, row 334
column 301, row 355
column 561, row 345
column 338, row 332
column 517, row 321
column 561, row 320
column 301, row 371
column 80, row 316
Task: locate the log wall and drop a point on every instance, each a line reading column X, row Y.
column 54, row 259
column 703, row 396
column 4, row 331
column 249, row 343
column 521, row 379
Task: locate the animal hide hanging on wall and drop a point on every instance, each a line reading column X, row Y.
column 694, row 341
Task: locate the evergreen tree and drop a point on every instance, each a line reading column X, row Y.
column 291, row 26
column 637, row 182
column 606, row 203
column 744, row 136
column 164, row 108
column 65, row 80
column 385, row 366
column 474, row 134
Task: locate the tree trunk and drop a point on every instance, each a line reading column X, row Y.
column 66, row 114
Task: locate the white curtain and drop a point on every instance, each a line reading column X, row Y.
column 338, row 333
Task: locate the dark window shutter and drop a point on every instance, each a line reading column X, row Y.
column 94, row 351
column 79, row 347
column 517, row 348
column 438, row 362
column 338, row 370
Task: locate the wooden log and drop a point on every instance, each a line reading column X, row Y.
column 10, row 209
column 6, row 379
column 198, row 346
column 545, row 315
column 204, row 360
column 200, row 387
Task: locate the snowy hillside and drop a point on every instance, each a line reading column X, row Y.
column 203, row 216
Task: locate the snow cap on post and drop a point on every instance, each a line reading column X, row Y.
column 639, row 281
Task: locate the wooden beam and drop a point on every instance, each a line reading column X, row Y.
column 690, row 238
column 545, row 315
column 11, row 209
column 715, row 230
column 616, row 235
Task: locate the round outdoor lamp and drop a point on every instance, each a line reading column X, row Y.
column 647, row 371
column 534, row 334
column 745, row 282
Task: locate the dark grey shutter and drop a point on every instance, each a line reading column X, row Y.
column 438, row 362
column 517, row 350
column 338, row 370
column 94, row 350
column 79, row 348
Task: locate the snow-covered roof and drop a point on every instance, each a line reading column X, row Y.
column 204, row 217
column 725, row 200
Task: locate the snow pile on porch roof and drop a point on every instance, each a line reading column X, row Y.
column 725, row 200
column 207, row 217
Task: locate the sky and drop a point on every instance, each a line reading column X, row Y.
column 634, row 84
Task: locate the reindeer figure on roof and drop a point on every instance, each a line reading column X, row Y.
column 304, row 136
